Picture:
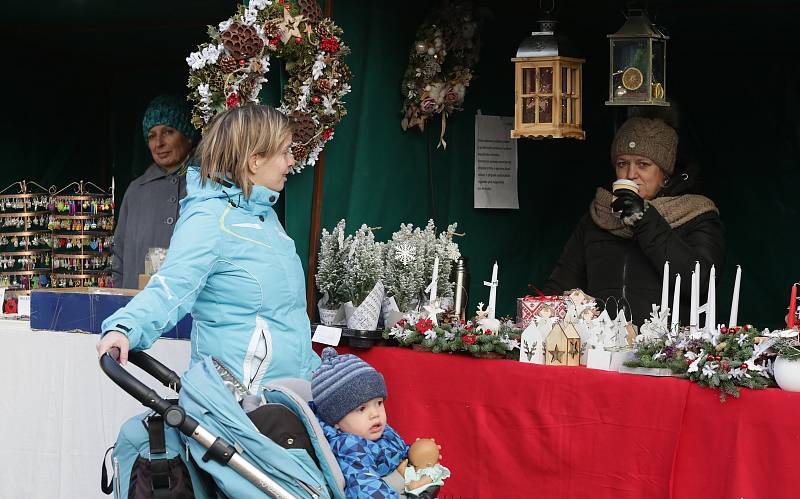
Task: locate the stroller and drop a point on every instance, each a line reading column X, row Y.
column 236, row 459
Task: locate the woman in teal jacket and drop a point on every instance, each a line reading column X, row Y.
column 230, row 263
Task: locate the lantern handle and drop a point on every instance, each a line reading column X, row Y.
column 551, row 9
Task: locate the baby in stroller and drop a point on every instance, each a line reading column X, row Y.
column 348, row 397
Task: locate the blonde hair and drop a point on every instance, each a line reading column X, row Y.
column 236, row 135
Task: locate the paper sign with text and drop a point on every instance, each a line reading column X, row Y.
column 495, row 163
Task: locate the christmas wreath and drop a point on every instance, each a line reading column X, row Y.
column 440, row 66
column 230, row 70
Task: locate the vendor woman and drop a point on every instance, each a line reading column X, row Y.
column 150, row 207
column 619, row 248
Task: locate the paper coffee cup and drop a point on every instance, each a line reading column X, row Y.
column 623, row 184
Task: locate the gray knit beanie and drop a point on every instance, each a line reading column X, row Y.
column 651, row 138
column 342, row 383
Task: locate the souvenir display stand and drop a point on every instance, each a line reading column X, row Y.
column 82, row 224
column 24, row 237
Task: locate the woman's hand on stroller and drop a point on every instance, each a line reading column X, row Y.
column 114, row 339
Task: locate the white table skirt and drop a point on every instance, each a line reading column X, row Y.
column 59, row 412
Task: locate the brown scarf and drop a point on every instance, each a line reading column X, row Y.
column 676, row 211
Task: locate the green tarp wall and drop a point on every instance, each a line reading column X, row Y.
column 82, row 72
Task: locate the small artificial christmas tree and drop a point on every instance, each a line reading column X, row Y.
column 364, row 265
column 332, row 270
column 409, row 260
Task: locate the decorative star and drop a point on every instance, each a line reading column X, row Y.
column 290, row 26
column 556, row 355
column 573, row 351
column 433, row 309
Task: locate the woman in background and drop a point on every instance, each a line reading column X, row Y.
column 149, row 209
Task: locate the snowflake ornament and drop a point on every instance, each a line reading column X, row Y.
column 406, row 253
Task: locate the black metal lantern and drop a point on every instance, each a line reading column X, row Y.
column 638, row 63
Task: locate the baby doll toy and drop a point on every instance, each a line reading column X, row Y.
column 423, row 474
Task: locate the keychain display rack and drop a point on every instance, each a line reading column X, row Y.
column 25, row 253
column 81, row 220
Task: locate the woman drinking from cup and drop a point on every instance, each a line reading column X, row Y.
column 652, row 216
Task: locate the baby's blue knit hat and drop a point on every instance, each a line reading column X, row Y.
column 170, row 110
column 342, row 383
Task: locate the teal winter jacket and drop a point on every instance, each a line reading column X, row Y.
column 231, row 266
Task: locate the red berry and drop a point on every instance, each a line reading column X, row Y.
column 719, row 358
column 297, row 39
column 315, row 99
column 743, row 366
column 748, row 327
column 723, row 330
column 241, row 62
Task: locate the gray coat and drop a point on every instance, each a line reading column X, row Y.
column 147, row 216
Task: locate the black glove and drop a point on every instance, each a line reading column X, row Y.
column 629, row 205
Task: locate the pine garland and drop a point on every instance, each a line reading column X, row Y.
column 722, row 363
column 414, row 329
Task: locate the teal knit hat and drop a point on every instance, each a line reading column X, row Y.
column 170, row 110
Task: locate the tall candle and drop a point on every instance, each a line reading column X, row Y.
column 792, row 307
column 435, row 277
column 665, row 288
column 711, row 302
column 492, row 292
column 676, row 303
column 112, row 191
column 694, row 304
column 735, row 301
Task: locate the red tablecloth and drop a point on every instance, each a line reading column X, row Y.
column 519, row 430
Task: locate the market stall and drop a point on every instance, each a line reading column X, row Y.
column 399, row 111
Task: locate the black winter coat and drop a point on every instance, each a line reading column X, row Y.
column 631, row 270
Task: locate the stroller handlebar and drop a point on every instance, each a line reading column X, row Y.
column 173, row 415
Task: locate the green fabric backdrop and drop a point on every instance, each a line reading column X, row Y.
column 78, row 76
column 738, row 118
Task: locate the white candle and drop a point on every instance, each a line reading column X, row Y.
column 694, row 303
column 711, row 302
column 676, row 303
column 435, row 277
column 665, row 288
column 112, row 191
column 735, row 301
column 492, row 292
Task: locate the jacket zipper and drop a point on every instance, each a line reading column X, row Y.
column 117, row 492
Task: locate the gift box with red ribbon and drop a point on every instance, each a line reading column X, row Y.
column 546, row 306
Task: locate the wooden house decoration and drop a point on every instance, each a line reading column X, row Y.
column 547, row 88
column 563, row 345
column 532, row 344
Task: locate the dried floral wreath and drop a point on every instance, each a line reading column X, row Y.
column 230, row 70
column 440, row 65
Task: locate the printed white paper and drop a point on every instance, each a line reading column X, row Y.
column 495, row 163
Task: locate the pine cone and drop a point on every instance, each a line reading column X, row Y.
column 324, row 29
column 304, row 127
column 310, row 9
column 344, row 73
column 272, row 29
column 242, row 41
column 246, row 88
column 228, row 64
column 299, row 152
column 324, row 85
